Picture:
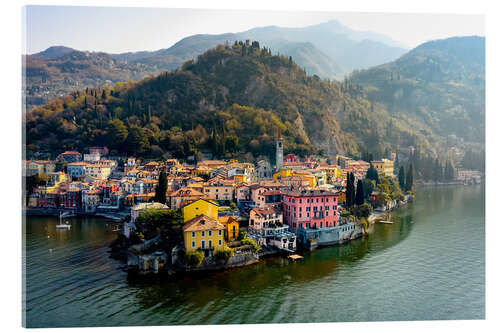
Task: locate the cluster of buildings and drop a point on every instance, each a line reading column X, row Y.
column 297, row 201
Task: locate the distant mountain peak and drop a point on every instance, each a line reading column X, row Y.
column 54, row 52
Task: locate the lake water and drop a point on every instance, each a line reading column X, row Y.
column 429, row 264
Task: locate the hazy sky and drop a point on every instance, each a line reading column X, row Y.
column 115, row 29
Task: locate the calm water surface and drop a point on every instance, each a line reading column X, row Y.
column 429, row 264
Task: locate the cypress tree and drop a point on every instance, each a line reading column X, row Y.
column 360, row 199
column 353, row 192
column 372, row 174
column 348, row 191
column 349, row 195
column 161, row 189
column 401, row 177
column 409, row 179
column 437, row 171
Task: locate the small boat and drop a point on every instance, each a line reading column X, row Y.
column 62, row 226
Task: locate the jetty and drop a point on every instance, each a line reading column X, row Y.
column 294, row 257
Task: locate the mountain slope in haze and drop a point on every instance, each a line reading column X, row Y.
column 329, row 50
column 344, row 45
column 231, row 101
column 54, row 52
column 59, row 70
column 440, row 84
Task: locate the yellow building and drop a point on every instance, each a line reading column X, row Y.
column 211, row 164
column 200, row 207
column 203, row 232
column 384, row 167
column 231, row 227
column 282, row 173
column 307, row 176
column 39, row 168
column 238, row 179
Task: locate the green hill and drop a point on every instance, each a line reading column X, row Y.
column 231, row 101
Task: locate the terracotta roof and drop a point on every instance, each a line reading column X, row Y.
column 266, row 211
column 209, row 201
column 187, row 192
column 309, row 193
column 227, row 219
column 202, row 222
column 275, row 192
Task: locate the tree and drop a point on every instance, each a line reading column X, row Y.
column 360, row 198
column 116, row 133
column 193, row 259
column 224, row 254
column 372, row 174
column 164, row 222
column 368, row 187
column 437, row 171
column 409, row 179
column 137, row 141
column 382, row 199
column 350, row 194
column 161, row 188
column 153, row 222
column 363, row 210
column 401, row 177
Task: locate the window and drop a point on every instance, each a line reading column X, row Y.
column 203, row 234
column 326, row 213
column 220, row 231
column 209, row 233
column 210, row 244
column 202, row 244
column 193, row 234
column 193, row 244
column 220, row 242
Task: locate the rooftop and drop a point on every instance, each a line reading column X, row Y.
column 201, row 222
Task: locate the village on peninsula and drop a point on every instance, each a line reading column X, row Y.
column 219, row 214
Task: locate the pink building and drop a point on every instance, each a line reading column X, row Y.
column 310, row 209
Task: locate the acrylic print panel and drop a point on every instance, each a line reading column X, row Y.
column 251, row 167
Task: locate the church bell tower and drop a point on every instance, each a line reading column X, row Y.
column 279, row 151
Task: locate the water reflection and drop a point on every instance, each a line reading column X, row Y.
column 416, row 268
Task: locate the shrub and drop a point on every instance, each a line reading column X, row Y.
column 232, row 206
column 362, row 211
column 251, row 242
column 193, row 259
column 242, row 235
column 224, row 254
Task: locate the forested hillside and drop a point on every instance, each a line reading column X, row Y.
column 230, row 101
column 439, row 86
